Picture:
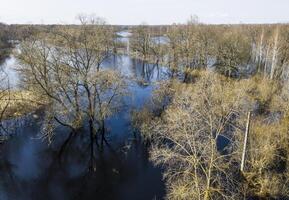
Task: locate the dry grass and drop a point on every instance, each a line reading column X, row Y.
column 183, row 143
column 18, row 103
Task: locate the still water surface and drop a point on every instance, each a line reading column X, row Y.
column 30, row 169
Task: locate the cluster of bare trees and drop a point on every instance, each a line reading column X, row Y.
column 4, row 99
column 270, row 50
column 197, row 130
column 5, row 45
column 200, row 137
column 234, row 50
column 5, row 48
column 186, row 136
column 146, row 43
column 64, row 66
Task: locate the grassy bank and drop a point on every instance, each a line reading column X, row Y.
column 18, row 103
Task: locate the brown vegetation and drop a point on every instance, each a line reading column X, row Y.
column 187, row 137
column 197, row 120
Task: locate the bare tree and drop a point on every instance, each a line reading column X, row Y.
column 65, row 66
column 141, row 41
column 233, row 52
column 4, row 100
column 186, row 139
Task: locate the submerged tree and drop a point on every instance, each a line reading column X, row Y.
column 5, row 48
column 188, row 139
column 4, row 99
column 141, row 42
column 199, row 135
column 233, row 52
column 64, row 65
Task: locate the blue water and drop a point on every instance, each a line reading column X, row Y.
column 31, row 169
column 7, row 71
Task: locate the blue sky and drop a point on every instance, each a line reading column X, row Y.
column 149, row 11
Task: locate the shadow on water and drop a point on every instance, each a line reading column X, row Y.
column 31, row 169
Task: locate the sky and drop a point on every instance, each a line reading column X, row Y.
column 154, row 12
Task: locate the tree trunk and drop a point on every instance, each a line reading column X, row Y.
column 91, row 145
column 102, row 132
column 274, row 57
column 245, row 143
column 260, row 57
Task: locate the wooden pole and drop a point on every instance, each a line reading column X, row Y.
column 245, row 142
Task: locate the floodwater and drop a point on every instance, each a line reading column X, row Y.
column 31, row 169
column 8, row 68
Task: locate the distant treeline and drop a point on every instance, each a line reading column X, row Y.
column 233, row 50
column 5, row 44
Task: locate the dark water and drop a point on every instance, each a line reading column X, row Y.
column 30, row 169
